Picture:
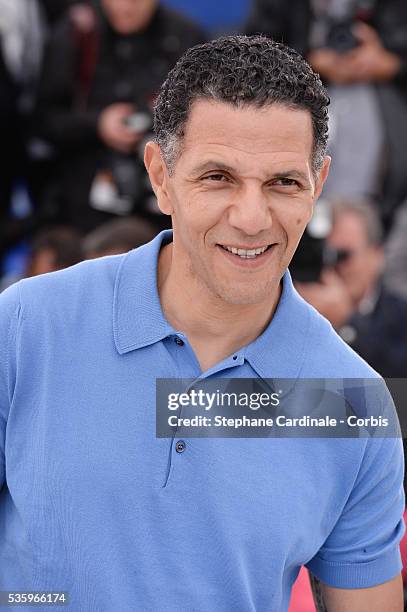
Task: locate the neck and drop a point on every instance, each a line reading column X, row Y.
column 205, row 319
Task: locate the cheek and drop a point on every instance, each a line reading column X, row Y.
column 362, row 270
column 350, row 272
column 293, row 219
column 198, row 213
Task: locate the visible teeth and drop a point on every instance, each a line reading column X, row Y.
column 246, row 253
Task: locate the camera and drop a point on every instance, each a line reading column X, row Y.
column 340, row 36
column 313, row 253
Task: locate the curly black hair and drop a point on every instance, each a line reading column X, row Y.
column 239, row 70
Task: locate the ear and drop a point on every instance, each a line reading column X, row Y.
column 322, row 176
column 158, row 173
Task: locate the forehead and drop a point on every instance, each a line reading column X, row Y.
column 247, row 136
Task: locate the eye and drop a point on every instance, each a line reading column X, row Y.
column 216, row 177
column 285, row 182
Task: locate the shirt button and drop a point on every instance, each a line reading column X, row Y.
column 179, row 341
column 180, row 446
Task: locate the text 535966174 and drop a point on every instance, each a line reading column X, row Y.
column 33, row 598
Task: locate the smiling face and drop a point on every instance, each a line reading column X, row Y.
column 240, row 196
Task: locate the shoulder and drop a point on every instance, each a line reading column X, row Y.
column 89, row 282
column 390, row 300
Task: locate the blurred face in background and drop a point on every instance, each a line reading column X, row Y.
column 362, row 263
column 128, row 16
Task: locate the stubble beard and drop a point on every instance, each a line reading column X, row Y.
column 229, row 293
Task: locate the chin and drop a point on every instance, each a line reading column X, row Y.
column 124, row 28
column 245, row 296
column 235, row 300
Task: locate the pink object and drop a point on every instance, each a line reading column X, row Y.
column 403, row 550
column 301, row 595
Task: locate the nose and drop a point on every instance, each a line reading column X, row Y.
column 250, row 211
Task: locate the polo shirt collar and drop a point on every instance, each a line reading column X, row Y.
column 279, row 352
column 138, row 319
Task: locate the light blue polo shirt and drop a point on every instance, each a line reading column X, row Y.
column 94, row 504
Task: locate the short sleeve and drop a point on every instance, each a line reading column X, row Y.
column 363, row 549
column 9, row 315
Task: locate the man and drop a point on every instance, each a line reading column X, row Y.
column 352, row 295
column 93, row 503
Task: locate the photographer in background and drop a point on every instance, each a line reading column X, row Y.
column 21, row 45
column 359, row 47
column 100, row 76
column 372, row 320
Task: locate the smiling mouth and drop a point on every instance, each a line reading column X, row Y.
column 252, row 253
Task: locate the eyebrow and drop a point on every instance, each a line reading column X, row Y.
column 216, row 165
column 212, row 165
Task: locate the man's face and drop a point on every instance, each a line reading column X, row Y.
column 242, row 183
column 362, row 261
column 128, row 16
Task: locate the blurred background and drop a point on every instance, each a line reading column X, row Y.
column 78, row 80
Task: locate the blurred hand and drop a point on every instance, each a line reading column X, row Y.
column 113, row 130
column 330, row 297
column 370, row 61
column 331, row 65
